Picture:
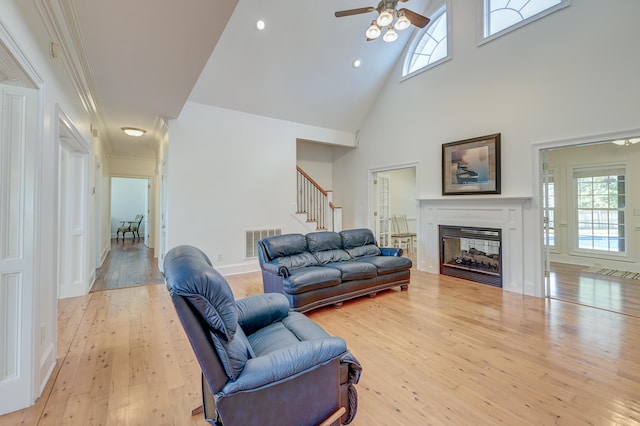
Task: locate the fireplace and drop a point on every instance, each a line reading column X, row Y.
column 471, row 253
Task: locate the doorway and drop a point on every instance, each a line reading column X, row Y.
column 75, row 276
column 393, row 193
column 129, row 198
column 130, row 261
column 590, row 248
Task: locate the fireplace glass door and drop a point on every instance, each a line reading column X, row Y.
column 471, row 253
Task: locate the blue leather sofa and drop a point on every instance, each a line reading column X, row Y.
column 326, row 268
column 261, row 363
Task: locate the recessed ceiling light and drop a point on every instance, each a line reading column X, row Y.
column 357, row 63
column 132, row 131
column 260, row 24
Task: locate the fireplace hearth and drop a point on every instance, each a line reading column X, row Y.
column 471, row 253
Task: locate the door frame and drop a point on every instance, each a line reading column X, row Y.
column 372, row 196
column 34, row 363
column 538, row 156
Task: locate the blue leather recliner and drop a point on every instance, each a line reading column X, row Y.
column 261, row 363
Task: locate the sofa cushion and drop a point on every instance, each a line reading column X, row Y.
column 359, row 243
column 326, row 247
column 310, row 278
column 284, row 245
column 364, row 251
column 354, row 270
column 388, row 264
column 300, row 260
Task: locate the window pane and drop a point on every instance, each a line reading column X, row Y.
column 600, row 203
column 431, row 45
column 502, row 14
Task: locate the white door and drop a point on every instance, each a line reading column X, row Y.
column 17, row 249
column 381, row 209
column 548, row 220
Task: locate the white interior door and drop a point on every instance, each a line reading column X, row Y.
column 381, row 209
column 17, row 249
column 547, row 220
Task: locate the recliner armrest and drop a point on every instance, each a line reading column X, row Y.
column 256, row 312
column 285, row 363
column 391, row 251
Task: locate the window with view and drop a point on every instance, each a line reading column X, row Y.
column 601, row 202
column 505, row 15
column 429, row 46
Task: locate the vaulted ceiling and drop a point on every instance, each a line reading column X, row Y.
column 137, row 63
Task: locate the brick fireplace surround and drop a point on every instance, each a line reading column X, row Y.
column 505, row 213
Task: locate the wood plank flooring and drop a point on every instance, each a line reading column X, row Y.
column 573, row 283
column 445, row 352
column 129, row 263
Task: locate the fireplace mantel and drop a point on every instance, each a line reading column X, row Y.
column 505, row 213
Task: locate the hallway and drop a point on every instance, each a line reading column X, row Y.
column 128, row 264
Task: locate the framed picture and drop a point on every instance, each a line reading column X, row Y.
column 471, row 166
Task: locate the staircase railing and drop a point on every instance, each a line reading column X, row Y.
column 317, row 203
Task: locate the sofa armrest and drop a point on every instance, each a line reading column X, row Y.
column 256, row 312
column 275, row 269
column 391, row 251
column 285, row 363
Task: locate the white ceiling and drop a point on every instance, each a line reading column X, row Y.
column 140, row 61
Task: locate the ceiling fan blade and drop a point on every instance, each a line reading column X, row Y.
column 355, row 11
column 415, row 18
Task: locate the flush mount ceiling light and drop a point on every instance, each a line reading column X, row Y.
column 626, row 142
column 387, row 14
column 132, row 131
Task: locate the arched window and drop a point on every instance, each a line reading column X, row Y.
column 502, row 16
column 429, row 46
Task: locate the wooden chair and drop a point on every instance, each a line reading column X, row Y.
column 132, row 226
column 400, row 234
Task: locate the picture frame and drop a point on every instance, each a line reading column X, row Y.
column 471, row 166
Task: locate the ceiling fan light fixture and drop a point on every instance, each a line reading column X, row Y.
column 385, row 18
column 132, row 131
column 390, row 35
column 373, row 32
column 634, row 140
column 403, row 22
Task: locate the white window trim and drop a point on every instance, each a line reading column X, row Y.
column 481, row 21
column 417, row 35
column 573, row 247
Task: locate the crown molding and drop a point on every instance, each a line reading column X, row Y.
column 61, row 22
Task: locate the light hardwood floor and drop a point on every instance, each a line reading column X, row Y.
column 573, row 283
column 445, row 352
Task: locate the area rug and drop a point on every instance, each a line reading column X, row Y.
column 614, row 273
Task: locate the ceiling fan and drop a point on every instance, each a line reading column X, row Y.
column 387, row 14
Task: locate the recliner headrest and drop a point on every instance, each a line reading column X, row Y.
column 188, row 272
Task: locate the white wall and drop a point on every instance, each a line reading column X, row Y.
column 230, row 172
column 316, row 159
column 570, row 74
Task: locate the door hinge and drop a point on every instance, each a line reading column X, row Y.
column 547, row 274
column 545, row 220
